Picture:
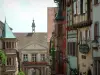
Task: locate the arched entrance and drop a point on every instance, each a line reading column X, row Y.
column 31, row 71
column 89, row 72
column 34, row 71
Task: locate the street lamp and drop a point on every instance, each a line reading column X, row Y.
column 95, row 44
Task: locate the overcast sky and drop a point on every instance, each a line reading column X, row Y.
column 20, row 13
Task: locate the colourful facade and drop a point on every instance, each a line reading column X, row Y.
column 59, row 38
column 95, row 36
column 9, row 46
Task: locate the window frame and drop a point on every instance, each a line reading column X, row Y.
column 72, row 48
column 10, row 61
column 34, row 57
column 25, row 56
column 42, row 57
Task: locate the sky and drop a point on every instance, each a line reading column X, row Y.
column 20, row 13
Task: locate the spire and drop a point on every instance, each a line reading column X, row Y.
column 7, row 33
column 33, row 26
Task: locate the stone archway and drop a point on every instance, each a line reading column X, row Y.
column 31, row 71
column 34, row 71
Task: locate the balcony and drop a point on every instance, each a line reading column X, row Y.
column 81, row 24
column 9, row 68
column 10, row 51
column 34, row 63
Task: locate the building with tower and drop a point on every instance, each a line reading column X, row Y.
column 33, row 49
column 9, row 46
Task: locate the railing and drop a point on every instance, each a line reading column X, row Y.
column 10, row 68
column 34, row 63
column 10, row 51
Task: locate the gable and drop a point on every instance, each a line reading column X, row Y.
column 35, row 46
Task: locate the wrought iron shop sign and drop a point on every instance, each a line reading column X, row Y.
column 84, row 48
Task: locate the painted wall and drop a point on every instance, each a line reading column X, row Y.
column 96, row 17
column 72, row 59
column 84, row 64
column 50, row 21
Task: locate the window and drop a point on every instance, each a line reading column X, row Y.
column 34, row 57
column 84, row 6
column 78, row 7
column 81, row 6
column 83, row 56
column 86, row 35
column 10, row 61
column 42, row 57
column 7, row 44
column 95, row 2
column 3, row 45
column 10, row 45
column 96, row 67
column 96, row 30
column 74, row 8
column 13, row 44
column 80, row 37
column 72, row 48
column 25, row 57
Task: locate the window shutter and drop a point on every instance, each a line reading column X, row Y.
column 84, row 9
column 80, row 37
column 86, row 34
column 78, row 7
column 96, row 30
column 74, row 8
column 74, row 49
column 81, row 6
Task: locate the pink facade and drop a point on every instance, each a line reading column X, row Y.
column 51, row 11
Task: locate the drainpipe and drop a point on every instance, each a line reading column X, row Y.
column 18, row 60
column 77, row 53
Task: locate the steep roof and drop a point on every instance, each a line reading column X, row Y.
column 7, row 33
column 31, row 40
